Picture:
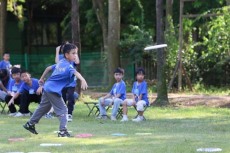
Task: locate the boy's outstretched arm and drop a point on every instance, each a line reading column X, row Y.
column 47, row 70
column 84, row 85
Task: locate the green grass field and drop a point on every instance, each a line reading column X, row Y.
column 173, row 130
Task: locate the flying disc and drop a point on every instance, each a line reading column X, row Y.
column 209, row 150
column 118, row 134
column 83, row 135
column 50, row 144
column 143, row 133
column 155, row 47
column 16, row 139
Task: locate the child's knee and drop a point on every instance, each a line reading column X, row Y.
column 140, row 106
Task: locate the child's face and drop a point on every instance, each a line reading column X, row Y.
column 25, row 77
column 16, row 76
column 118, row 76
column 71, row 56
column 140, row 77
column 6, row 57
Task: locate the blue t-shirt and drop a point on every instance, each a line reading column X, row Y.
column 13, row 87
column 141, row 89
column 31, row 89
column 74, row 82
column 5, row 65
column 119, row 88
column 62, row 76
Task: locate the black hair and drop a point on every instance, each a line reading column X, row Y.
column 3, row 74
column 15, row 70
column 119, row 70
column 68, row 47
column 5, row 53
column 140, row 70
column 62, row 46
column 24, row 71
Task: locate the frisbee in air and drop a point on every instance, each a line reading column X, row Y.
column 155, row 47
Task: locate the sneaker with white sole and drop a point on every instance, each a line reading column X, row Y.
column 30, row 127
column 19, row 114
column 138, row 119
column 124, row 119
column 63, row 133
column 69, row 118
column 12, row 114
column 113, row 118
column 104, row 117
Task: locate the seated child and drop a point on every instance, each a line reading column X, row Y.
column 5, row 80
column 140, row 97
column 114, row 97
column 29, row 92
column 14, row 87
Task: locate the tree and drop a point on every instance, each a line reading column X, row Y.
column 75, row 25
column 162, row 96
column 102, row 19
column 2, row 25
column 113, row 37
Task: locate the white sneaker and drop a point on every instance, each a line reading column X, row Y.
column 124, row 119
column 113, row 118
column 12, row 114
column 138, row 119
column 69, row 118
column 19, row 114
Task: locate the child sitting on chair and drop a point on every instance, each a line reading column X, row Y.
column 139, row 98
column 114, row 97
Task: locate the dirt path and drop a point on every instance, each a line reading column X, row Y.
column 181, row 100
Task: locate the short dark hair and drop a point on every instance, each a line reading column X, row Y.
column 15, row 70
column 24, row 71
column 68, row 47
column 5, row 53
column 140, row 70
column 119, row 70
column 3, row 74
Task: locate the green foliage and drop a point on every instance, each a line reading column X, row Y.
column 215, row 46
column 133, row 44
column 17, row 8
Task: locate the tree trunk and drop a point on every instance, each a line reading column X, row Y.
column 75, row 25
column 2, row 25
column 228, row 2
column 102, row 19
column 113, row 38
column 169, row 12
column 162, row 95
column 98, row 6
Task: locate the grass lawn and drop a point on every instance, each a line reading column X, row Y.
column 173, row 130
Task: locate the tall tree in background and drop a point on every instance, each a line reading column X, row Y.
column 162, row 95
column 169, row 12
column 98, row 6
column 113, row 37
column 2, row 25
column 75, row 25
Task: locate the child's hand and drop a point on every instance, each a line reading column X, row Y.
column 58, row 49
column 84, row 85
column 41, row 82
column 39, row 91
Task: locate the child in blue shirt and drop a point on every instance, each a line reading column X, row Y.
column 52, row 91
column 5, row 80
column 139, row 98
column 14, row 87
column 29, row 92
column 115, row 97
column 68, row 92
column 5, row 63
